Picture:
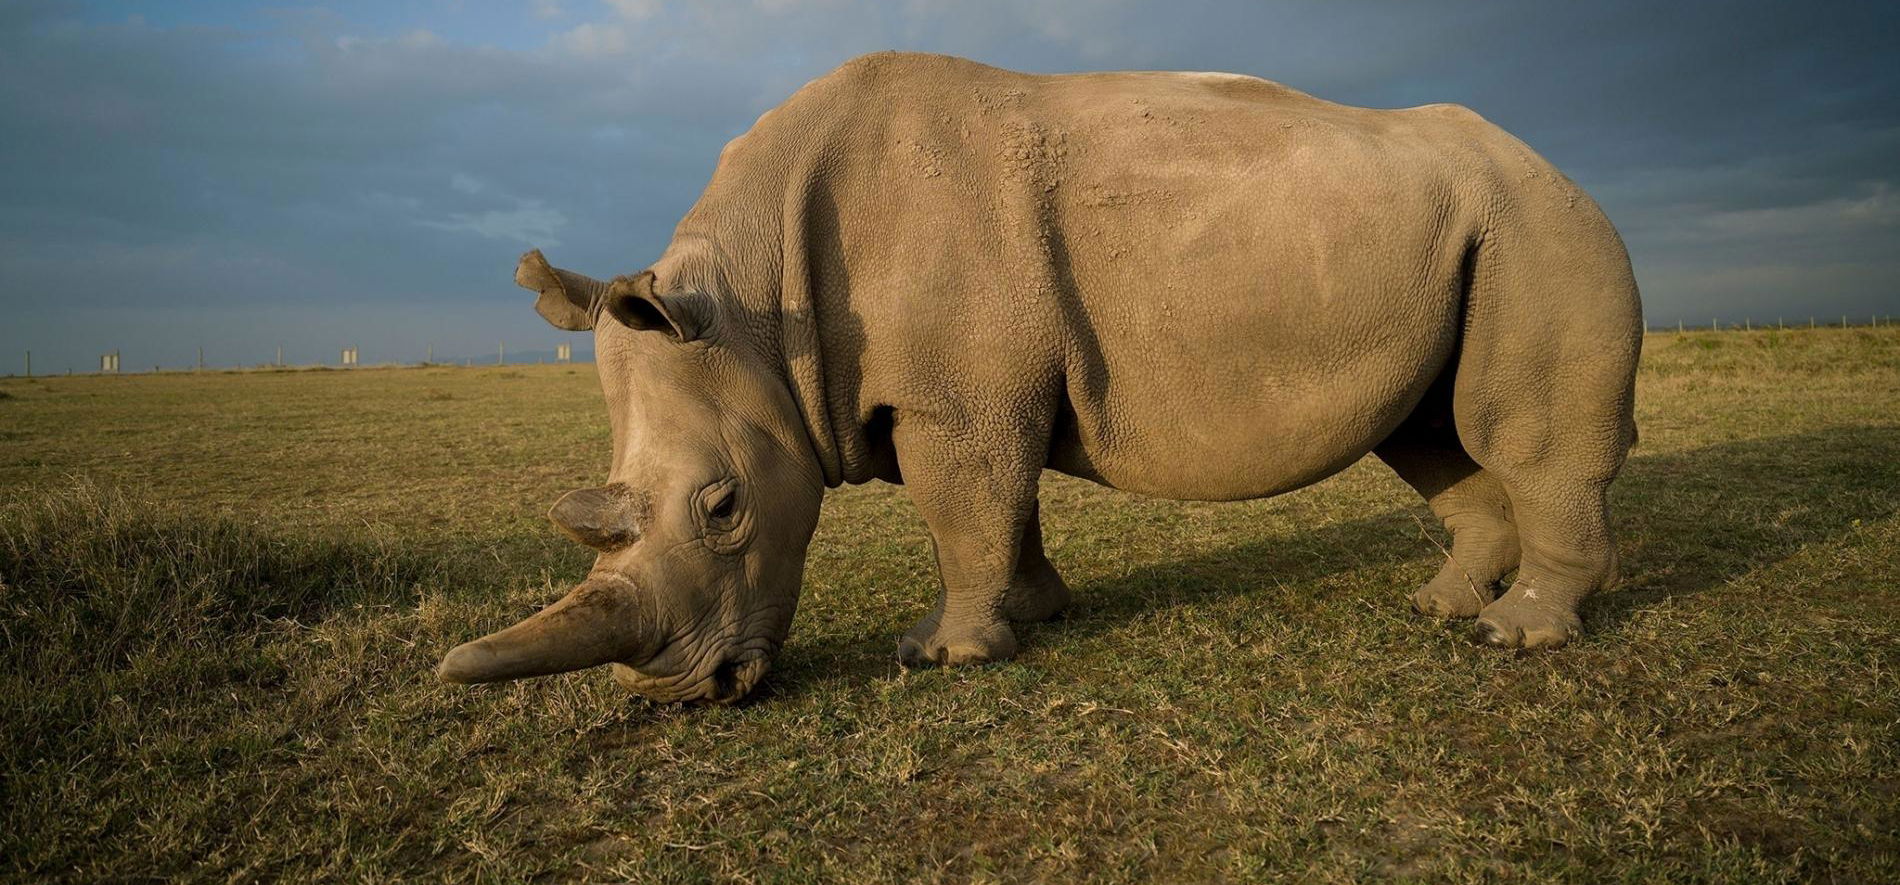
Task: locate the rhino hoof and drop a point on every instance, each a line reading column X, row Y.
column 958, row 648
column 1504, row 625
column 1459, row 600
column 1496, row 635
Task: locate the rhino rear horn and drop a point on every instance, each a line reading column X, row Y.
column 568, row 300
column 602, row 621
column 606, row 518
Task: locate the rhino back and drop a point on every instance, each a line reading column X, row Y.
column 1200, row 285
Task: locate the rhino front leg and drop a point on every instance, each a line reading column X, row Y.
column 979, row 505
column 1036, row 590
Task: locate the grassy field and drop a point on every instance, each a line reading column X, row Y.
column 222, row 596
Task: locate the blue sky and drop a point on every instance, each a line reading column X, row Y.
column 244, row 176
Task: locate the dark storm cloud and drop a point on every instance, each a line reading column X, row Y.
column 323, row 177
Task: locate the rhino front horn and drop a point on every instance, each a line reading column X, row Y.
column 602, row 621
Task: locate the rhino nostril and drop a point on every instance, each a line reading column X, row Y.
column 734, row 678
column 728, row 683
column 726, row 680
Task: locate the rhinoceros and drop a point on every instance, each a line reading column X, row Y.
column 1198, row 286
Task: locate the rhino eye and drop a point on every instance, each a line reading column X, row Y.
column 722, row 504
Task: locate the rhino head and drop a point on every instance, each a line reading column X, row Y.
column 702, row 526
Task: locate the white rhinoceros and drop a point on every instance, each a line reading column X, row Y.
column 1200, row 286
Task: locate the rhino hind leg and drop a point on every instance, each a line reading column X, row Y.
column 1036, row 591
column 1544, row 402
column 1472, row 504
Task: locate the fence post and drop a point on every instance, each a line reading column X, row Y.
column 201, row 357
column 501, row 352
column 29, row 364
column 431, row 357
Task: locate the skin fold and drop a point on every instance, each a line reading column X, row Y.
column 1196, row 286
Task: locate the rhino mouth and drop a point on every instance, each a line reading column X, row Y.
column 724, row 680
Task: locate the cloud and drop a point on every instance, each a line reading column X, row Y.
column 529, row 222
column 1839, row 216
column 594, row 40
column 420, row 38
column 466, row 184
column 635, row 10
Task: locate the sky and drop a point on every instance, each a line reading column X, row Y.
column 242, row 177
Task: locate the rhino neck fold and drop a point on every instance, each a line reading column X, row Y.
column 768, row 221
column 814, row 299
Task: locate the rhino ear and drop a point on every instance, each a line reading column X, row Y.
column 631, row 300
column 567, row 298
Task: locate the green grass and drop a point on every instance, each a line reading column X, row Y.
column 222, row 595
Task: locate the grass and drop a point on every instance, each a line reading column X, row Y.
column 222, row 594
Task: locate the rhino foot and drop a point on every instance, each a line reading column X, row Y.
column 1518, row 622
column 1452, row 596
column 948, row 645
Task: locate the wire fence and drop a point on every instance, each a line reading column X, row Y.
column 351, row 357
column 1750, row 324
column 109, row 362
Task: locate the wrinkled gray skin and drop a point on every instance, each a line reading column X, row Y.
column 1198, row 286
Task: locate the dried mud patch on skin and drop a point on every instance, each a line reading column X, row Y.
column 1034, row 154
column 1146, row 114
column 989, row 101
column 926, row 160
column 1100, row 195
